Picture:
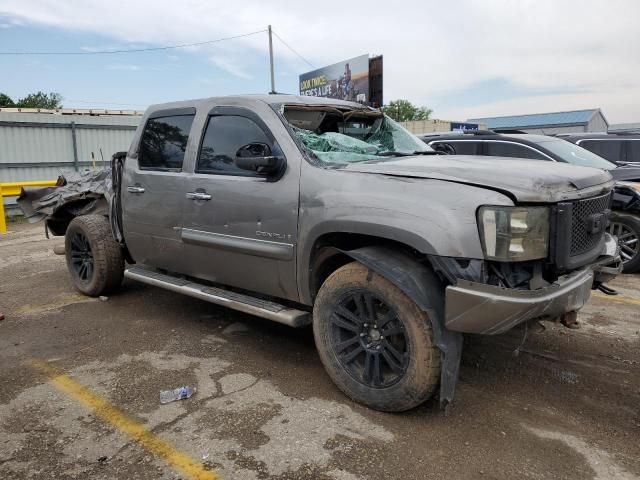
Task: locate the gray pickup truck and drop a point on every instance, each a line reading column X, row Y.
column 315, row 211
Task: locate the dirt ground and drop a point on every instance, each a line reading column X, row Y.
column 566, row 407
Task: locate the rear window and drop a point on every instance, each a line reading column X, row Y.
column 164, row 142
column 609, row 149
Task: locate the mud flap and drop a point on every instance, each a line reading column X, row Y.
column 423, row 286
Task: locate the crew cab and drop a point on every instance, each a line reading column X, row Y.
column 316, row 211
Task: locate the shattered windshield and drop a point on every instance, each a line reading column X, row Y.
column 337, row 137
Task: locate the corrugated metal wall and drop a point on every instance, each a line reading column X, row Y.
column 40, row 146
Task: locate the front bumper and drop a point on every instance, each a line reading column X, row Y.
column 473, row 307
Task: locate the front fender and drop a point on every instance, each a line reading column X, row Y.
column 419, row 282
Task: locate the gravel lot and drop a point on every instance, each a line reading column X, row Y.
column 568, row 406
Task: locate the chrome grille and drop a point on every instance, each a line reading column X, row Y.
column 582, row 240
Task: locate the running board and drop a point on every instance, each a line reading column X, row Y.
column 237, row 301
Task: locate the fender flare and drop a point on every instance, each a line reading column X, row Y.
column 420, row 283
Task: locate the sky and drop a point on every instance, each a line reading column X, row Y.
column 463, row 59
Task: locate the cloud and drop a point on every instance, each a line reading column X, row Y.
column 431, row 48
column 124, row 66
column 230, row 66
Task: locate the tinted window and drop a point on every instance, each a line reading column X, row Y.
column 164, row 142
column 459, row 147
column 609, row 149
column 633, row 152
column 508, row 149
column 223, row 137
column 575, row 154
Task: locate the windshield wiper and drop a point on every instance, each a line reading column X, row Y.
column 425, row 152
column 406, row 154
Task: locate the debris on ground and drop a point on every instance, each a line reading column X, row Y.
column 179, row 393
column 103, row 298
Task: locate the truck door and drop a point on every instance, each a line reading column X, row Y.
column 240, row 227
column 152, row 189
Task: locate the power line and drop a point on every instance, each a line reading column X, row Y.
column 290, row 48
column 138, row 50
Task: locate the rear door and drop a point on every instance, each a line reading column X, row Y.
column 610, row 149
column 240, row 228
column 633, row 150
column 152, row 190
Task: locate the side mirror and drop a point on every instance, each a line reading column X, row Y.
column 257, row 157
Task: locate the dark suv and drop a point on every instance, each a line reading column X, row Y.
column 621, row 148
column 625, row 221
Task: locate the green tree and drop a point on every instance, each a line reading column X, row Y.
column 404, row 111
column 5, row 100
column 40, row 100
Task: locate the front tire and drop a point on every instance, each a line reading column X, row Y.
column 376, row 344
column 627, row 228
column 94, row 258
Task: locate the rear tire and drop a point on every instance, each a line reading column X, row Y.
column 94, row 259
column 392, row 365
column 627, row 228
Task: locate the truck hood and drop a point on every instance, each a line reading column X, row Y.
column 522, row 180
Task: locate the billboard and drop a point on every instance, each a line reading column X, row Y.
column 347, row 80
column 461, row 126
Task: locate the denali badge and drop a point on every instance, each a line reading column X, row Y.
column 277, row 236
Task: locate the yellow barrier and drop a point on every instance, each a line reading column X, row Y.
column 13, row 189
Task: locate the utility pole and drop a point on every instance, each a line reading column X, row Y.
column 273, row 82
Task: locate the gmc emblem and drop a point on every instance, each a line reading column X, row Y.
column 596, row 223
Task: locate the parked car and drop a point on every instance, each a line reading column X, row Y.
column 625, row 220
column 306, row 210
column 620, row 148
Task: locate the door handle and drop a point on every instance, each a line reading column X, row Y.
column 198, row 196
column 136, row 189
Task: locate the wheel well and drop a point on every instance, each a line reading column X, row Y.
column 326, row 255
column 60, row 220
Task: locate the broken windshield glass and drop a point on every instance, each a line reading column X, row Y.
column 347, row 138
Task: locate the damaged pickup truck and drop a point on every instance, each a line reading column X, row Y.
column 316, row 211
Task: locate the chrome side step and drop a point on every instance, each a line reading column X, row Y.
column 237, row 301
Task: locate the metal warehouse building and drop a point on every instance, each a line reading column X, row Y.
column 547, row 123
column 43, row 144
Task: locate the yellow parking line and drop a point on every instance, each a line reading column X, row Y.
column 188, row 467
column 616, row 298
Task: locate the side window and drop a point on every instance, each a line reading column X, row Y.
column 509, row 149
column 223, row 136
column 633, row 150
column 609, row 149
column 164, row 141
column 461, row 147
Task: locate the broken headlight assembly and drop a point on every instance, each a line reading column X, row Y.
column 513, row 234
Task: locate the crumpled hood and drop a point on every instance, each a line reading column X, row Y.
column 526, row 180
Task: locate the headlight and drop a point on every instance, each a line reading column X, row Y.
column 513, row 234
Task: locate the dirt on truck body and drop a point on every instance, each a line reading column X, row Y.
column 316, row 211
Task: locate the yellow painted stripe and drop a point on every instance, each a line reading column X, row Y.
column 616, row 298
column 179, row 461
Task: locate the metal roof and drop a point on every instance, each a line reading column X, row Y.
column 576, row 117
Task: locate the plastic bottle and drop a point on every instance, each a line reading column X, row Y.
column 179, row 393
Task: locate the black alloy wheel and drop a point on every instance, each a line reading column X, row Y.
column 82, row 262
column 369, row 340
